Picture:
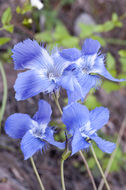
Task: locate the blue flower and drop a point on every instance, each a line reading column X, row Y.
column 44, row 71
column 35, row 133
column 82, row 126
column 89, row 59
column 78, row 84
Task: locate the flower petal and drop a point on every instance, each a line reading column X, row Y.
column 29, row 54
column 72, row 87
column 37, row 3
column 60, row 64
column 90, row 46
column 74, row 116
column 104, row 145
column 99, row 117
column 100, row 69
column 108, row 76
column 30, row 145
column 78, row 142
column 76, row 94
column 17, row 125
column 70, row 54
column 50, row 139
column 44, row 112
column 87, row 82
column 31, row 83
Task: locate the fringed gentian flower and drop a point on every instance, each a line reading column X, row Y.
column 44, row 71
column 83, row 125
column 35, row 133
column 89, row 59
column 77, row 83
column 88, row 62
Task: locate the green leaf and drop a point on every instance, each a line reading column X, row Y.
column 110, row 62
column 26, row 8
column 86, row 30
column 18, row 10
column 92, row 102
column 5, row 56
column 110, row 86
column 27, row 21
column 115, row 166
column 123, row 76
column 114, row 17
column 118, row 24
column 116, row 21
column 91, row 163
column 70, row 42
column 51, row 18
column 60, row 32
column 99, row 153
column 60, row 136
column 6, row 16
column 108, row 26
column 44, row 36
column 117, row 162
column 118, row 154
column 4, row 40
column 9, row 28
column 122, row 52
column 123, row 63
column 99, row 28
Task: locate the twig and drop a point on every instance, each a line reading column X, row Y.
column 88, row 170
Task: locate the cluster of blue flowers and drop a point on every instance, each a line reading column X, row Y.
column 77, row 71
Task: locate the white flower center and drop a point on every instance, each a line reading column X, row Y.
column 52, row 77
column 38, row 130
column 86, row 130
column 88, row 63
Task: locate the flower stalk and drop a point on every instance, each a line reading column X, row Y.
column 37, row 174
column 56, row 97
column 62, row 174
column 4, row 100
column 65, row 155
column 88, row 170
column 100, row 168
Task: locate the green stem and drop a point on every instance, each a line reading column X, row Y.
column 62, row 175
column 37, row 174
column 114, row 153
column 55, row 96
column 100, row 169
column 4, row 100
column 62, row 160
column 88, row 170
